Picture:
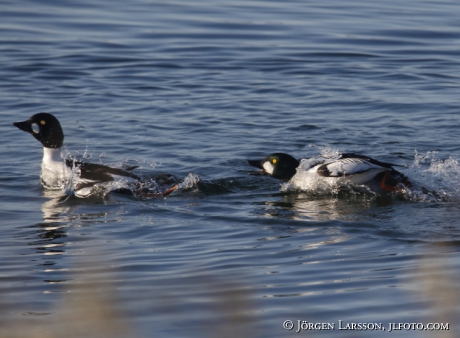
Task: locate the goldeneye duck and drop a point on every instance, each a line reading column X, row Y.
column 343, row 170
column 75, row 177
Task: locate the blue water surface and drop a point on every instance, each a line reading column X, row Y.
column 194, row 89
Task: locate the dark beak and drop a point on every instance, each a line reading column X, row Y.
column 257, row 164
column 25, row 126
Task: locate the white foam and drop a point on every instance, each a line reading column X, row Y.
column 441, row 176
column 190, row 181
column 307, row 180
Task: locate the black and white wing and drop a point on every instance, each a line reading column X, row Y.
column 90, row 174
column 98, row 172
column 352, row 164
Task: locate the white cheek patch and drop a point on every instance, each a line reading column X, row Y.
column 268, row 167
column 35, row 128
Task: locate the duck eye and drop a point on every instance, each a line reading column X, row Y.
column 42, row 122
column 274, row 161
column 35, row 128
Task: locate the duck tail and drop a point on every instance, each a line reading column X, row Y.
column 392, row 180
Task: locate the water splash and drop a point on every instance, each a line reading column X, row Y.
column 72, row 184
column 441, row 177
column 326, row 151
column 161, row 186
column 308, row 181
column 191, row 181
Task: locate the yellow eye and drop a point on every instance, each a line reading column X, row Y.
column 274, row 161
column 42, row 122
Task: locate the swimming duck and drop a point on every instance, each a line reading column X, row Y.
column 75, row 177
column 343, row 171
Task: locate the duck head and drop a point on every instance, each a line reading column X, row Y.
column 45, row 128
column 278, row 165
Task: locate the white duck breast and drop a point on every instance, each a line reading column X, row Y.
column 54, row 172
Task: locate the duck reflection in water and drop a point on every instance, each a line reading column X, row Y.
column 344, row 206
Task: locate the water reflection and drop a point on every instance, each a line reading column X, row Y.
column 60, row 214
column 50, row 233
column 345, row 207
column 435, row 282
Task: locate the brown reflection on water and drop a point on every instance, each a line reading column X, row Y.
column 91, row 307
column 436, row 281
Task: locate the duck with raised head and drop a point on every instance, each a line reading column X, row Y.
column 75, row 177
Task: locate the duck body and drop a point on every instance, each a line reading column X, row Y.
column 348, row 171
column 74, row 177
column 81, row 179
